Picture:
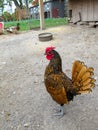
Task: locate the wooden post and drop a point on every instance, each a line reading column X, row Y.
column 41, row 10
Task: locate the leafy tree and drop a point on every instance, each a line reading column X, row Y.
column 2, row 4
column 14, row 16
column 7, row 16
column 19, row 3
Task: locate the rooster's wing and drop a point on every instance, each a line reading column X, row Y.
column 58, row 86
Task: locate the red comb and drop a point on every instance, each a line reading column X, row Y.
column 50, row 48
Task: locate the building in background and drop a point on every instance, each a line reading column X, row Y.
column 83, row 11
column 52, row 9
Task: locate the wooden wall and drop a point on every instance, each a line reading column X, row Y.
column 84, row 10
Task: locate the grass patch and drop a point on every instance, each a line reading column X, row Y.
column 29, row 24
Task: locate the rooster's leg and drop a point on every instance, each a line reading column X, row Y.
column 61, row 112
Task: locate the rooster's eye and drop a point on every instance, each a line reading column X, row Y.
column 49, row 53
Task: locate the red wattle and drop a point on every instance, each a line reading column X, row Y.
column 49, row 57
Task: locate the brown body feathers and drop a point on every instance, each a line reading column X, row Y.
column 61, row 88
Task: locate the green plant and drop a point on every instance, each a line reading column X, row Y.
column 7, row 16
column 31, row 23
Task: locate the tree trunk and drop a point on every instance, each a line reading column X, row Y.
column 19, row 6
column 27, row 7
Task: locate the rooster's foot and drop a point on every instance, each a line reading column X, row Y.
column 60, row 112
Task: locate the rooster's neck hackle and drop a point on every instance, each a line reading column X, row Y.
column 56, row 59
column 55, row 64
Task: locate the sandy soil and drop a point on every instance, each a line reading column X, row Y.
column 24, row 102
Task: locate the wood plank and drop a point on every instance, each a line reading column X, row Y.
column 76, row 11
column 70, row 4
column 79, row 8
column 70, row 8
column 90, row 10
column 84, row 10
column 95, row 10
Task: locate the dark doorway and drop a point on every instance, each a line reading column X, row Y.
column 47, row 14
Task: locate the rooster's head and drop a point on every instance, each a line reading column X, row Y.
column 49, row 52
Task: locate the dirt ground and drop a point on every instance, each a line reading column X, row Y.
column 24, row 102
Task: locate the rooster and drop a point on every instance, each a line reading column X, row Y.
column 61, row 88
